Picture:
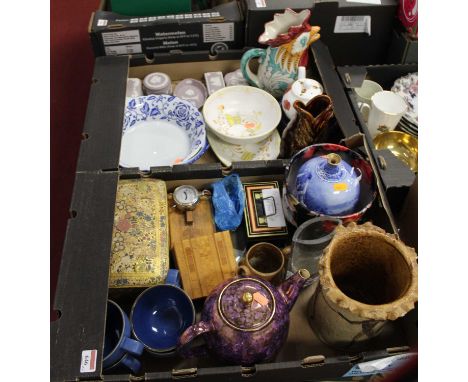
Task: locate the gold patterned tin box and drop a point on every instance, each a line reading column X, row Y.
column 140, row 239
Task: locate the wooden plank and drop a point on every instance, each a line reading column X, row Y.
column 203, row 222
column 208, row 266
column 225, row 254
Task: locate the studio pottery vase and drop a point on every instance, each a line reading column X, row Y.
column 366, row 278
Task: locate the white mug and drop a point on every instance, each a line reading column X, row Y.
column 385, row 112
column 364, row 95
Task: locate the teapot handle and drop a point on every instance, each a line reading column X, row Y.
column 190, row 334
column 244, row 65
column 358, row 179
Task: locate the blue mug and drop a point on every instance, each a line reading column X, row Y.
column 127, row 362
column 117, row 342
column 159, row 316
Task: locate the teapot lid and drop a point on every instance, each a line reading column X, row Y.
column 246, row 304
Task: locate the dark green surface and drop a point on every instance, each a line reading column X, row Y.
column 150, row 7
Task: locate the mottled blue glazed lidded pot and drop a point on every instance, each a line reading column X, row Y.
column 328, row 185
column 245, row 320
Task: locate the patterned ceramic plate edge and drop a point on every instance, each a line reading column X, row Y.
column 407, row 88
column 227, row 153
column 172, row 109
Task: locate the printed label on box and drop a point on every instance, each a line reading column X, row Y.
column 353, row 24
column 260, row 3
column 218, row 32
column 122, row 49
column 124, row 37
column 88, row 361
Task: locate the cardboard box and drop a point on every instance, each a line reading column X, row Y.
column 219, row 28
column 402, row 50
column 356, row 33
column 396, row 177
column 82, row 292
column 100, row 148
column 82, row 288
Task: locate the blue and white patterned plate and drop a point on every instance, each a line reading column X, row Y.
column 161, row 130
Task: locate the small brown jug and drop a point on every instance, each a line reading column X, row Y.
column 312, row 118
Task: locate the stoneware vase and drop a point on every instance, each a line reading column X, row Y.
column 288, row 37
column 366, row 277
column 245, row 320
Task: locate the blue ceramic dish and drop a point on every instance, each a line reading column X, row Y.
column 117, row 342
column 159, row 316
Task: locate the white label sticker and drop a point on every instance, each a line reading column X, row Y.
column 102, row 23
column 379, row 365
column 260, row 3
column 272, row 205
column 122, row 49
column 353, row 24
column 124, row 37
column 218, row 32
column 88, row 361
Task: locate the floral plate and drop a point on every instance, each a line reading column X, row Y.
column 407, row 87
column 264, row 150
column 161, row 130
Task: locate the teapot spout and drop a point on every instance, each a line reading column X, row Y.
column 291, row 287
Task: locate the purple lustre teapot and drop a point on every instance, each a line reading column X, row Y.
column 245, row 320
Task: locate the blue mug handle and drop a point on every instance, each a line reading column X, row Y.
column 244, row 65
column 132, row 346
column 173, row 277
column 131, row 363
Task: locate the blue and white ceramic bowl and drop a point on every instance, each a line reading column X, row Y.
column 161, row 130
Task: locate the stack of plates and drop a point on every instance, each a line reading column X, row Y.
column 407, row 87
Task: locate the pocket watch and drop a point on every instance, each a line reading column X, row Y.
column 187, row 197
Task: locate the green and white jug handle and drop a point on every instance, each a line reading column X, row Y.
column 244, row 65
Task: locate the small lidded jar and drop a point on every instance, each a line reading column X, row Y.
column 304, row 89
column 157, row 83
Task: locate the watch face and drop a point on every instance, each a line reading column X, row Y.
column 186, row 195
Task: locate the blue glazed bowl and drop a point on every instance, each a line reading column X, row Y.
column 117, row 341
column 159, row 316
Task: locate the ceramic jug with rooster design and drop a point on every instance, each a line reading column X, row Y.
column 288, row 37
